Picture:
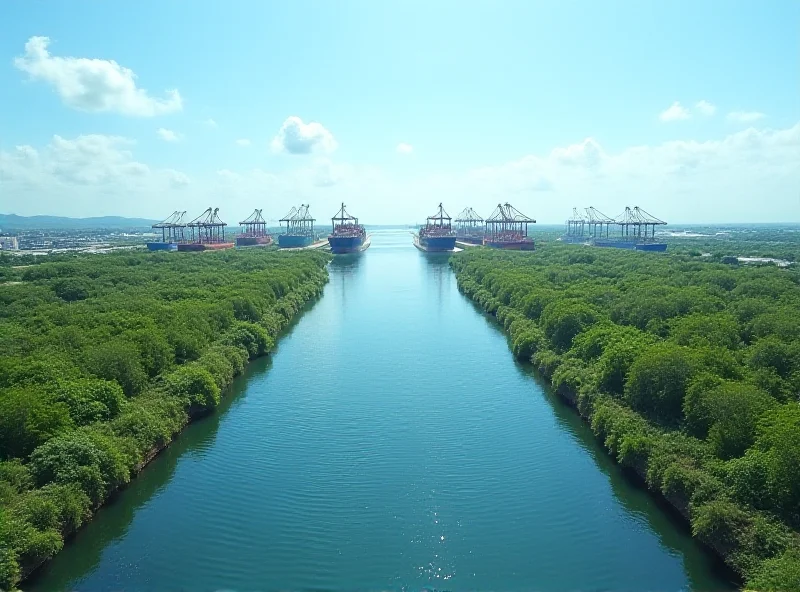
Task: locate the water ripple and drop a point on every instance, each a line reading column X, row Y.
column 393, row 444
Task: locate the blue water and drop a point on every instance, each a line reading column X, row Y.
column 391, row 443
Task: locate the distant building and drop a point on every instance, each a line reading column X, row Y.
column 9, row 243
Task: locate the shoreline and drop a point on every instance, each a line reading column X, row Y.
column 678, row 506
column 192, row 414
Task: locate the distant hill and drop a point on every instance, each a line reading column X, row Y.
column 14, row 222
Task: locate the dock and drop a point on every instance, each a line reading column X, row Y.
column 466, row 245
column 315, row 245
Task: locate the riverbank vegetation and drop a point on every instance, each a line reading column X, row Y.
column 687, row 370
column 106, row 358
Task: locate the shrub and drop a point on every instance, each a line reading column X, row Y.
column 562, row 320
column 118, row 360
column 194, row 384
column 657, row 381
column 29, row 418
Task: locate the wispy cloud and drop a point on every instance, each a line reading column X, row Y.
column 403, row 148
column 675, row 112
column 168, row 135
column 705, row 108
column 89, row 173
column 745, row 116
column 211, row 123
column 243, row 142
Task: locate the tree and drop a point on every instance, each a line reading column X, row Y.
column 118, row 360
column 90, row 399
column 779, row 438
column 734, row 410
column 71, row 289
column 562, row 320
column 194, row 383
column 772, row 353
column 155, row 352
column 27, row 419
column 657, row 381
column 719, row 329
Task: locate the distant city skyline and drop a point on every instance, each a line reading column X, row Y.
column 687, row 109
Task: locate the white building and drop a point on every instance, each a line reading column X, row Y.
column 9, row 243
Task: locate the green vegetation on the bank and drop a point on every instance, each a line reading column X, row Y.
column 688, row 371
column 106, row 358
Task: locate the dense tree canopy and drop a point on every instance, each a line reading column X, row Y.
column 689, row 371
column 106, row 357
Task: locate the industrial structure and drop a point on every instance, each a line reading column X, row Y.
column 254, row 231
column 636, row 227
column 299, row 228
column 470, row 227
column 207, row 233
column 598, row 224
column 636, row 224
column 507, row 228
column 576, row 227
column 172, row 232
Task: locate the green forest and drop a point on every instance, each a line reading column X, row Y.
column 688, row 372
column 107, row 357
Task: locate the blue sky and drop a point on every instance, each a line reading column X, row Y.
column 544, row 104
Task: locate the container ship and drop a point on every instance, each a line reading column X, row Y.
column 207, row 233
column 470, row 227
column 507, row 228
column 637, row 230
column 348, row 235
column 253, row 241
column 183, row 247
column 255, row 231
column 437, row 235
column 171, row 233
column 299, row 231
column 636, row 244
column 162, row 246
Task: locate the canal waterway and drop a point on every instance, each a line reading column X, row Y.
column 391, row 443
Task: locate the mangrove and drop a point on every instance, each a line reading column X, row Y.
column 105, row 358
column 688, row 371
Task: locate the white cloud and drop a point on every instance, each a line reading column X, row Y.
column 705, row 108
column 674, row 112
column 93, row 85
column 228, row 175
column 243, row 142
column 679, row 181
column 88, row 175
column 177, row 178
column 585, row 154
column 745, row 116
column 403, row 148
column 211, row 123
column 168, row 135
column 296, row 137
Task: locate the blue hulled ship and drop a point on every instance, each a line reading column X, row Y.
column 637, row 230
column 299, row 229
column 348, row 235
column 171, row 233
column 636, row 244
column 437, row 235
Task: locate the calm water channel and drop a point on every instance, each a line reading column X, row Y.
column 392, row 443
